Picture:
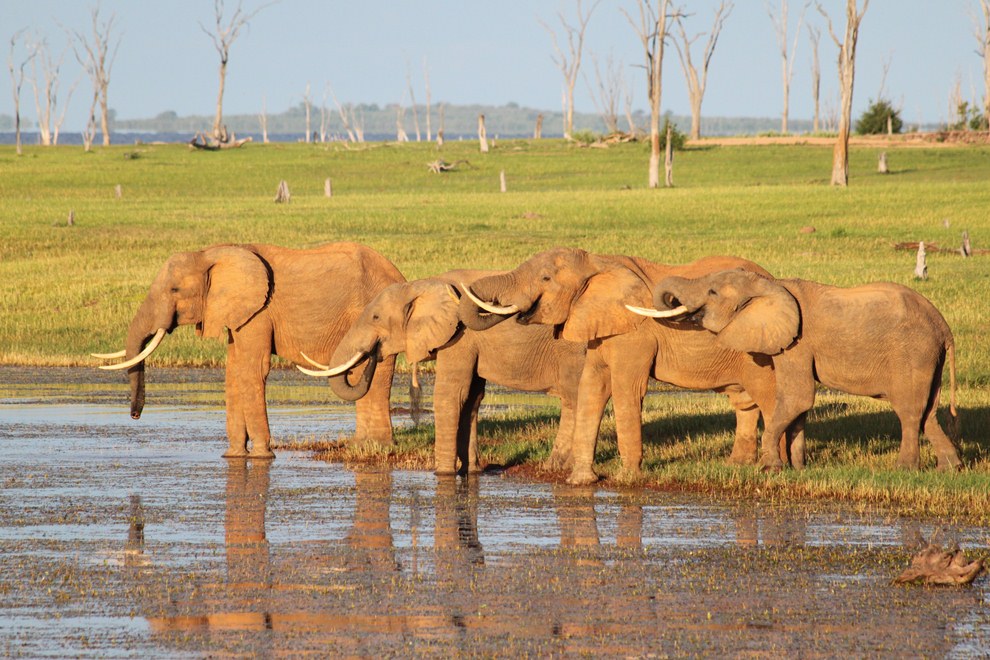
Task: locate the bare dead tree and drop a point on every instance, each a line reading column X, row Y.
column 696, row 83
column 17, row 81
column 780, row 26
column 606, row 92
column 45, row 84
column 343, row 114
column 412, row 103
column 307, row 104
column 440, row 128
column 324, row 115
column 627, row 96
column 263, row 120
column 96, row 55
column 569, row 63
column 814, row 36
column 224, row 35
column 426, row 81
column 847, row 71
column 652, row 30
column 981, row 30
column 400, row 120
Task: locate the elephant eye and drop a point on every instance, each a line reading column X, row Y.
column 175, row 289
column 713, row 293
column 546, row 278
column 374, row 317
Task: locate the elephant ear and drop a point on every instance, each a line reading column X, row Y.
column 237, row 288
column 431, row 318
column 767, row 322
column 599, row 310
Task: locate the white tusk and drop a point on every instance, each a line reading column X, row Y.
column 110, row 356
column 140, row 357
column 318, row 365
column 335, row 371
column 488, row 307
column 658, row 314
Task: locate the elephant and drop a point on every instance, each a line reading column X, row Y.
column 265, row 300
column 582, row 296
column 881, row 340
column 422, row 319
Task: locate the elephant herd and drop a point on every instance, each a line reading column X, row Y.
column 587, row 328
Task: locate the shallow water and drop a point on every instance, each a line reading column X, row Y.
column 122, row 538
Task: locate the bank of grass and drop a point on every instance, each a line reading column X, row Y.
column 68, row 291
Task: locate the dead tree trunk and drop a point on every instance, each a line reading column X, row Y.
column 328, row 188
column 966, row 250
column 538, row 132
column 482, row 134
column 882, row 163
column 668, row 163
column 282, row 193
column 501, row 181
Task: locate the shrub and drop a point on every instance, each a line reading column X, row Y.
column 874, row 120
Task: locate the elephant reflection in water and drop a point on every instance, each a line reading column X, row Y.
column 455, row 530
column 754, row 528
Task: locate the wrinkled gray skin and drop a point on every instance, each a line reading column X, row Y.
column 881, row 340
column 421, row 319
column 264, row 300
column 583, row 297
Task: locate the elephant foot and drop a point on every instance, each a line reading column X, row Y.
column 582, row 477
column 475, row 469
column 908, row 463
column 445, row 472
column 740, row 458
column 559, row 461
column 770, row 462
column 236, row 453
column 266, row 455
column 948, row 463
column 629, row 476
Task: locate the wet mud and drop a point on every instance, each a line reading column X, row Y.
column 122, row 539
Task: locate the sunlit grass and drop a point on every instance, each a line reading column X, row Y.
column 69, row 291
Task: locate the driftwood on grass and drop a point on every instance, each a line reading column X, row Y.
column 201, row 141
column 440, row 166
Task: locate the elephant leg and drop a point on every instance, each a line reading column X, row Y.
column 629, row 381
column 452, row 387
column 237, row 436
column 467, row 432
column 561, row 456
column 594, row 391
column 747, row 422
column 248, row 363
column 373, row 413
column 795, row 442
column 795, row 397
column 945, row 451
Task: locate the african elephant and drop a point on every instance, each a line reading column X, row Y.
column 264, row 300
column 583, row 297
column 421, row 318
column 881, row 340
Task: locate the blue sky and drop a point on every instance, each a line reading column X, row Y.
column 490, row 53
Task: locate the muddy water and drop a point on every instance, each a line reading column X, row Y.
column 122, row 538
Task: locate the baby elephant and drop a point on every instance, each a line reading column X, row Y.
column 881, row 340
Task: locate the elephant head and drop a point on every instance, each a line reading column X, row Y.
column 582, row 295
column 412, row 317
column 748, row 312
column 216, row 288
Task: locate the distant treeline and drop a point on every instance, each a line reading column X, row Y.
column 380, row 122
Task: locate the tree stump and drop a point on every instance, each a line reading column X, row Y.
column 440, row 139
column 920, row 265
column 966, row 250
column 882, row 163
column 282, row 194
column 328, row 188
column 501, row 180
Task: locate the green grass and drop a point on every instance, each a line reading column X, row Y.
column 67, row 291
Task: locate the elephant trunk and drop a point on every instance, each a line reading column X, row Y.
column 352, row 392
column 488, row 289
column 673, row 292
column 148, row 320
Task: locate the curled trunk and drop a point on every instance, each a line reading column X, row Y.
column 475, row 318
column 348, row 392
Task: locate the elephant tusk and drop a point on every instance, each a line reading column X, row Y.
column 335, row 371
column 110, row 356
column 488, row 307
column 657, row 313
column 318, row 365
column 140, row 357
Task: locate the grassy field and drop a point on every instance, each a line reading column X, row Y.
column 67, row 291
